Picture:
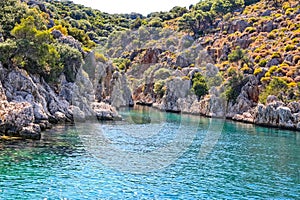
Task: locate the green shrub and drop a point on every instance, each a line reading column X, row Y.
column 234, row 87
column 290, row 47
column 100, row 57
column 268, row 74
column 159, row 88
column 273, row 69
column 262, row 63
column 275, row 87
column 199, row 86
column 215, row 80
column 121, row 63
column 271, row 36
column 185, row 78
column 265, row 80
column 276, row 55
column 257, row 58
column 70, row 59
column 250, row 29
column 162, row 73
column 258, row 71
column 232, row 71
column 286, row 5
column 7, row 50
column 236, row 55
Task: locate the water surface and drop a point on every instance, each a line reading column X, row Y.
column 69, row 163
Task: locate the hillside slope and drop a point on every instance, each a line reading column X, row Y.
column 60, row 62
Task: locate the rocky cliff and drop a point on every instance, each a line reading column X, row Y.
column 29, row 105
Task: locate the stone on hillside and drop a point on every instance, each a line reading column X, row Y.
column 176, row 89
column 121, row 94
column 211, row 70
column 72, row 42
column 238, row 25
column 289, row 58
column 266, row 13
column 16, row 119
column 2, row 93
column 56, row 34
column 181, row 61
column 271, row 99
column 268, row 27
column 105, row 111
column 151, row 56
column 273, row 62
column 285, row 117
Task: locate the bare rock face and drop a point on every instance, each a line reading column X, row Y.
column 151, row 56
column 238, row 25
column 276, row 114
column 33, row 131
column 121, row 93
column 294, row 107
column 268, row 27
column 181, row 61
column 176, row 89
column 271, row 99
column 28, row 104
column 140, row 96
column 273, row 61
column 245, row 101
column 190, row 104
column 21, row 87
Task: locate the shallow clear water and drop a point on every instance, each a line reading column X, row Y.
column 153, row 155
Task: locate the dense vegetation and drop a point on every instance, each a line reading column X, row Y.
column 241, row 37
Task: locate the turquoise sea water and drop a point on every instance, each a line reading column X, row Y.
column 153, row 155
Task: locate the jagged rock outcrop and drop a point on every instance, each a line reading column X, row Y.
column 121, row 94
column 176, row 89
column 247, row 99
column 277, row 115
column 29, row 105
column 111, row 86
column 238, row 25
column 17, row 119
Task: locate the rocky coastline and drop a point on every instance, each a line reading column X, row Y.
column 232, row 65
column 29, row 105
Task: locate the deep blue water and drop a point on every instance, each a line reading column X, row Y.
column 153, row 155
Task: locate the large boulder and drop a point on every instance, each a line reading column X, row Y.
column 151, row 56
column 238, row 25
column 105, row 111
column 17, row 119
column 181, row 61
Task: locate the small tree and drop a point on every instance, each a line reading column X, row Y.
column 236, row 55
column 34, row 50
column 196, row 22
column 275, row 87
column 199, row 86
